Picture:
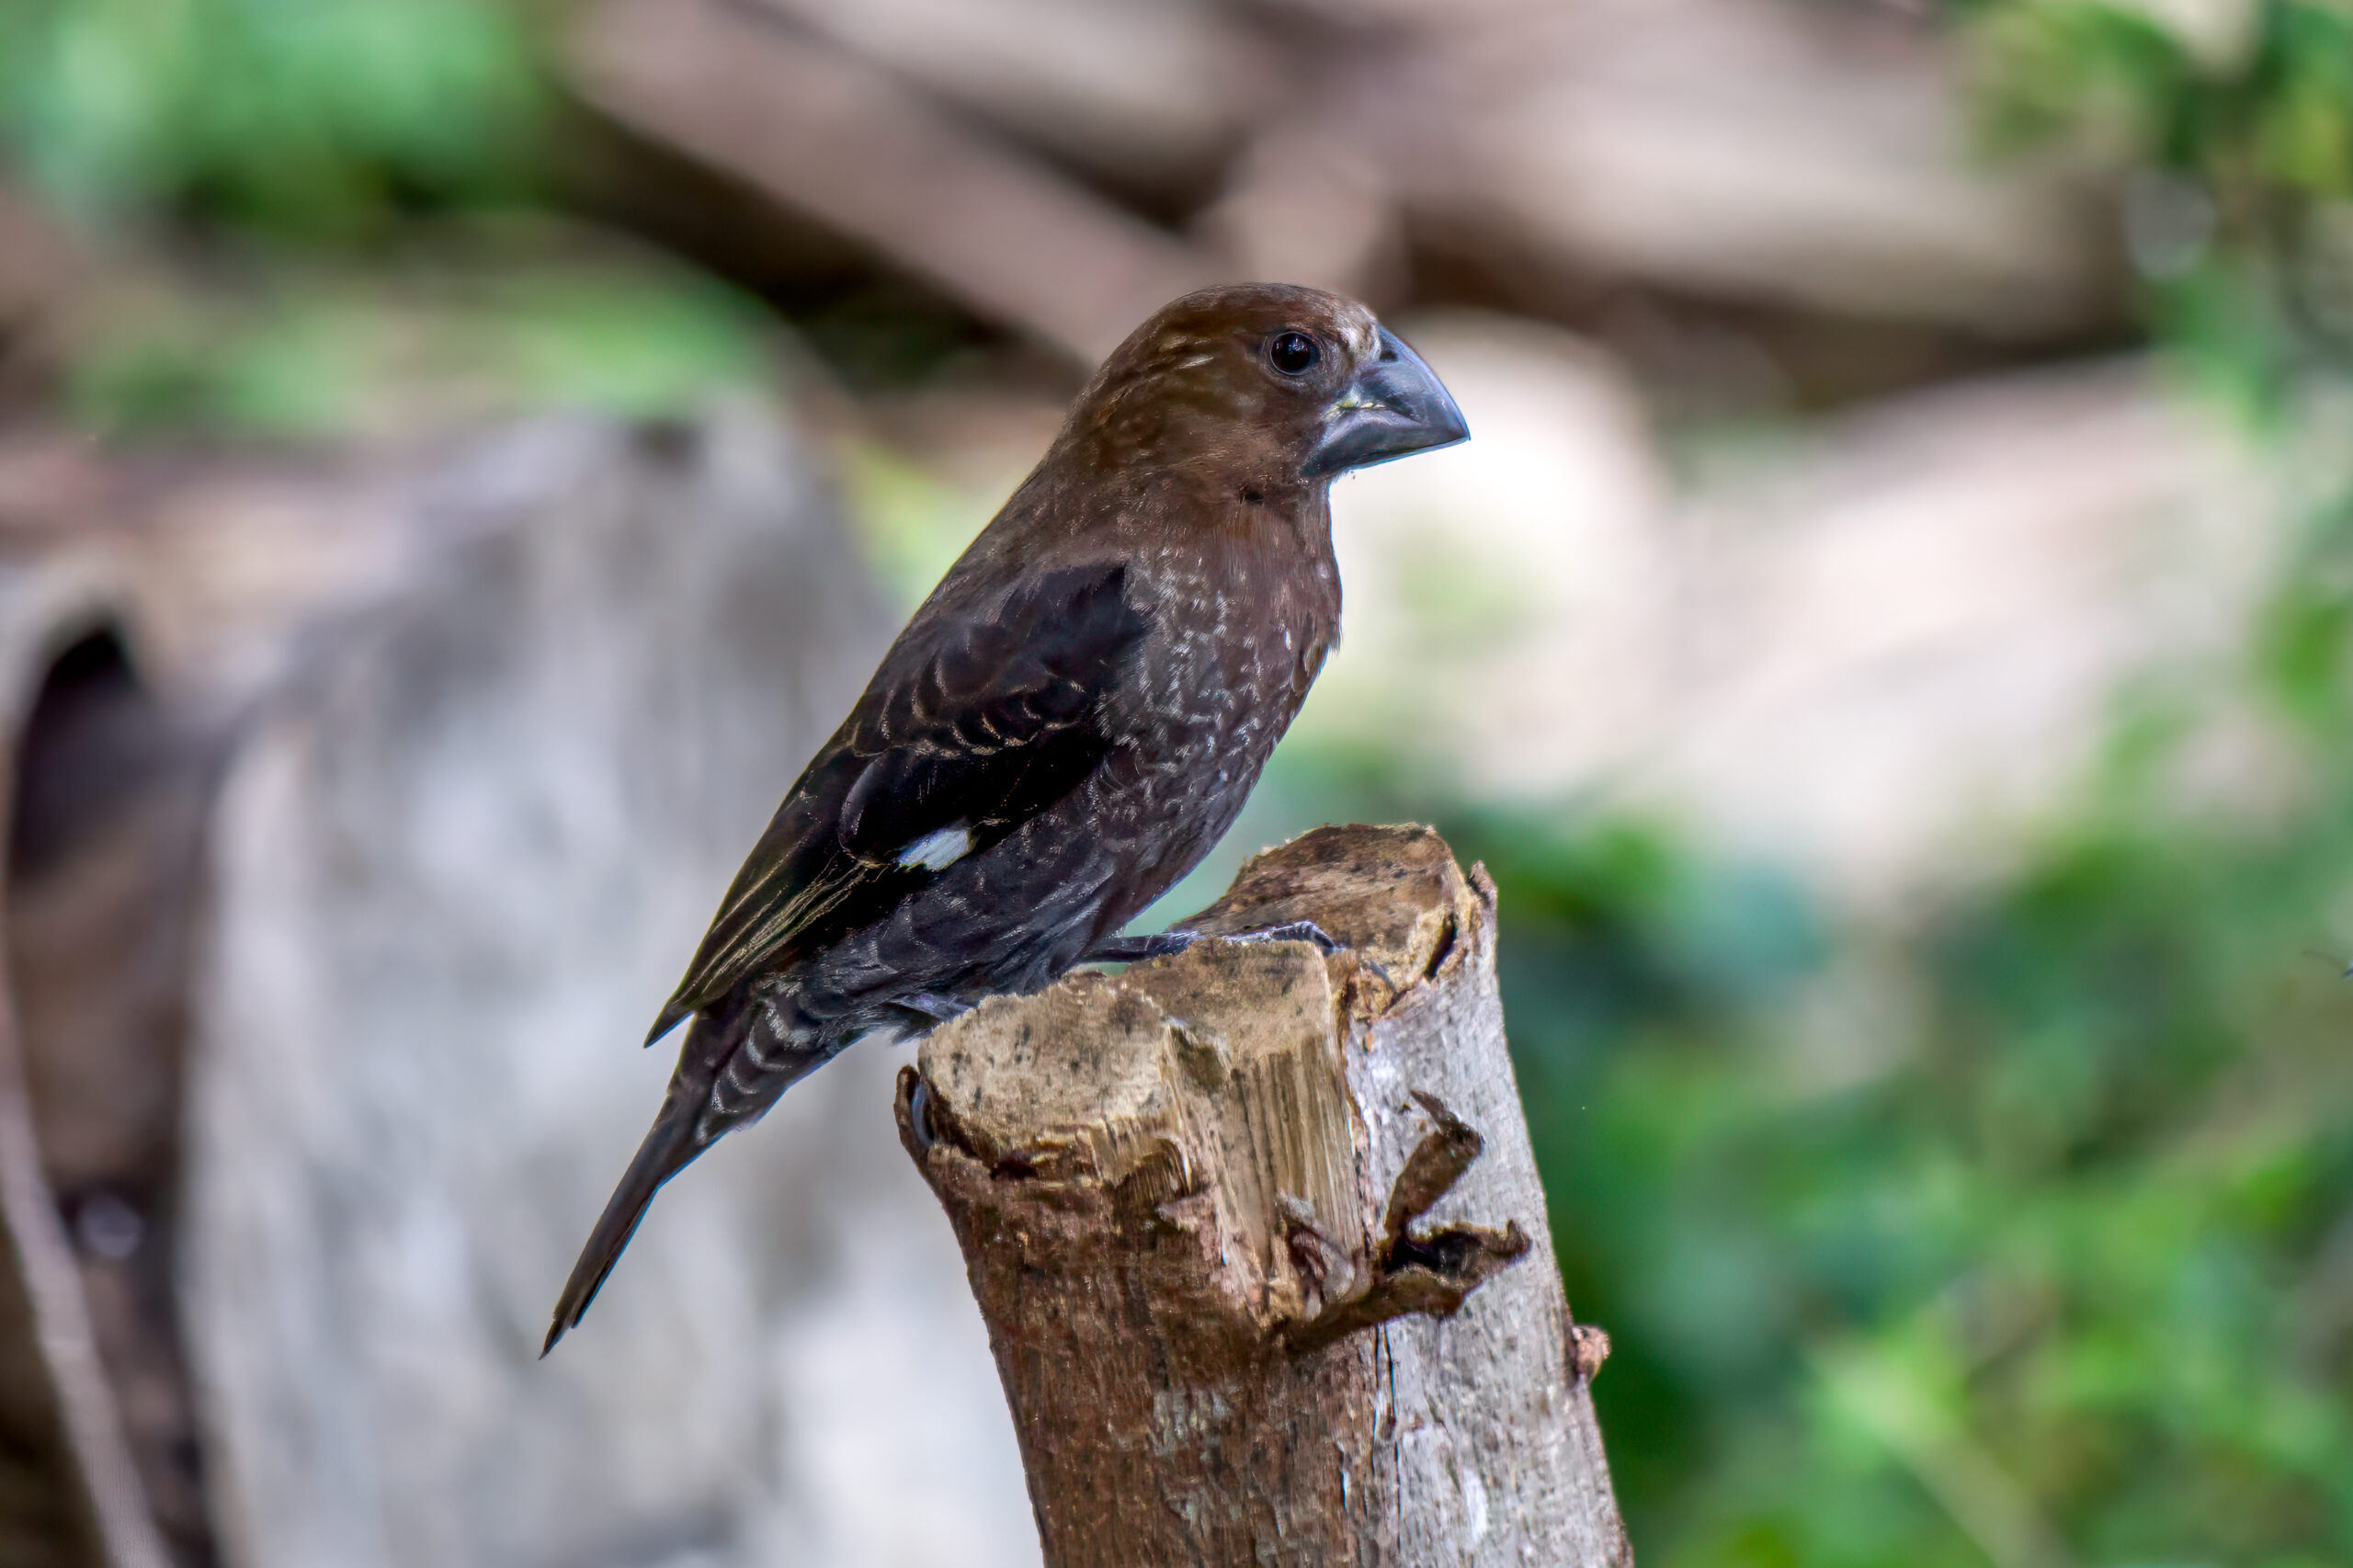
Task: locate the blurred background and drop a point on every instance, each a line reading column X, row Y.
column 1891, row 639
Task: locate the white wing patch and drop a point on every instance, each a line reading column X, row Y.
column 937, row 851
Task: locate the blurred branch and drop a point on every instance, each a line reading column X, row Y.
column 822, row 133
column 1140, row 93
column 32, row 256
column 36, row 270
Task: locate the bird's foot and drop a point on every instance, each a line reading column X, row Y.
column 1167, row 944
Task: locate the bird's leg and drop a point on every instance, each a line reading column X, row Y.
column 1294, row 931
column 1137, row 949
column 1167, row 944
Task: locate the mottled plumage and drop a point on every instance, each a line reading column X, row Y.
column 1067, row 724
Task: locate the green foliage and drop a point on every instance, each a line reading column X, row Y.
column 342, row 191
column 2020, row 1232
column 2022, row 1236
column 311, row 116
column 323, row 354
column 2240, row 117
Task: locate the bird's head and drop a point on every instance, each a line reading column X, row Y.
column 1263, row 383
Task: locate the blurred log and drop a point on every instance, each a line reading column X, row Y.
column 1260, row 1242
column 71, row 1485
column 104, row 892
column 823, row 133
column 457, row 861
column 120, row 710
column 465, row 745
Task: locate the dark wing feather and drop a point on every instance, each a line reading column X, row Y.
column 972, row 723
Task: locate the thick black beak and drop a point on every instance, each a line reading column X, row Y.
column 1394, row 407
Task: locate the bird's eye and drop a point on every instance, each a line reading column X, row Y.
column 1292, row 353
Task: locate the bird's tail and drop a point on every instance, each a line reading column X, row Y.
column 732, row 1067
column 683, row 1129
column 669, row 1147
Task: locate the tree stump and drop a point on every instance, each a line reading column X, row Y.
column 1259, row 1240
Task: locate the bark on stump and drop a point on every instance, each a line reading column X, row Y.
column 1259, row 1240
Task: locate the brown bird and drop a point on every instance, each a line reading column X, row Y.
column 1068, row 724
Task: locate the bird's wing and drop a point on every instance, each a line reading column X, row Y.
column 970, row 728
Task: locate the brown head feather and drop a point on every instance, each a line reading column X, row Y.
column 1193, row 388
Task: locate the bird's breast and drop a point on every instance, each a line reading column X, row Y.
column 1226, row 665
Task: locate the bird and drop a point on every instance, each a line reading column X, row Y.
column 1067, row 724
